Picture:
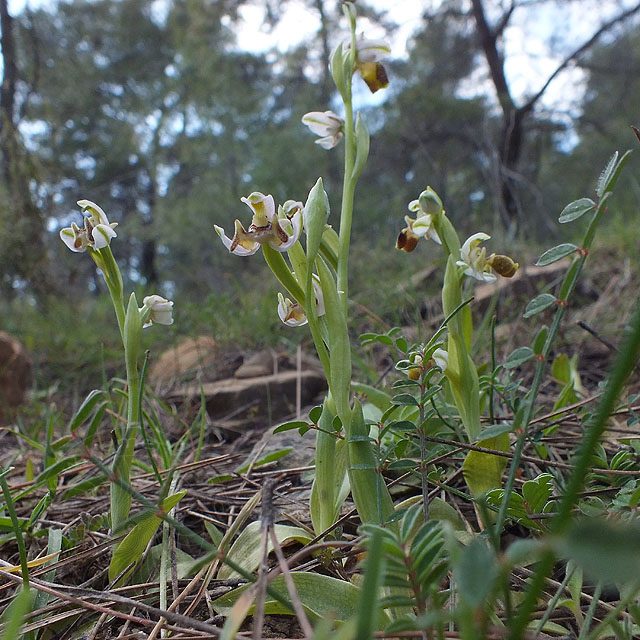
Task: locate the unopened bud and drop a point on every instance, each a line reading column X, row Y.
column 430, row 202
column 503, row 265
column 414, row 373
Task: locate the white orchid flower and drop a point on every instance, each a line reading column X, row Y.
column 95, row 233
column 326, row 124
column 281, row 233
column 292, row 313
column 159, row 310
column 369, row 54
column 474, row 259
column 421, row 227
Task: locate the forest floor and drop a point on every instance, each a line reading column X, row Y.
column 224, row 473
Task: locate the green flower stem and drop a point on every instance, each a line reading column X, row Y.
column 107, row 264
column 346, row 212
column 123, row 461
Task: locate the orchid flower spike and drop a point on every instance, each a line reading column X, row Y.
column 369, row 54
column 280, row 232
column 292, row 313
column 157, row 309
column 95, row 233
column 421, row 227
column 328, row 125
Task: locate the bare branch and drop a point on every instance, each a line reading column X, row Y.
column 578, row 52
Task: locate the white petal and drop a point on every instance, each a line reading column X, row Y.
column 328, row 142
column 256, row 198
column 472, row 241
column 372, row 50
column 227, row 242
column 96, row 212
column 323, row 123
column 296, row 223
column 69, row 238
column 102, row 235
column 441, row 358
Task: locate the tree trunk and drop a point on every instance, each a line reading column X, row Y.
column 23, row 248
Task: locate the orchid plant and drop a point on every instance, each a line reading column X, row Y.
column 316, row 278
column 94, row 237
column 466, row 260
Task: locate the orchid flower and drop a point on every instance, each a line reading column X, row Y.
column 157, row 309
column 474, row 259
column 266, row 227
column 95, row 233
column 369, row 53
column 328, row 125
column 292, row 313
column 421, row 227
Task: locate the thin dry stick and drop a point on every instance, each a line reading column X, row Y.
column 291, row 587
column 298, row 381
column 507, row 454
column 65, row 592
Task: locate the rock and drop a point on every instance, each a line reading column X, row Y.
column 192, row 359
column 263, row 363
column 15, row 372
column 263, row 400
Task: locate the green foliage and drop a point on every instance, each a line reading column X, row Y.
column 415, row 561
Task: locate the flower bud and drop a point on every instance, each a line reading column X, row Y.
column 430, row 202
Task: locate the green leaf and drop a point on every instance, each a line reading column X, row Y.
column 316, row 211
column 374, row 567
column 536, row 492
column 540, row 339
column 377, row 397
column 576, row 209
column 214, row 533
column 130, row 550
column 57, row 468
column 495, row 430
column 555, row 254
column 613, row 175
column 320, row 595
column 606, row 175
column 362, row 147
column 15, row 614
column 539, row 304
column 404, row 399
column 315, row 413
column 290, row 426
column 561, row 369
column 246, row 550
column 483, row 471
column 518, row 357
column 86, row 409
column 476, row 573
column 606, row 550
